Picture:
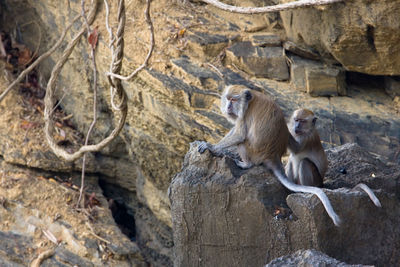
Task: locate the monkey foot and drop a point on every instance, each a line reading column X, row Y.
column 243, row 165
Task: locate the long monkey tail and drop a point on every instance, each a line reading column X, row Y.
column 370, row 194
column 307, row 189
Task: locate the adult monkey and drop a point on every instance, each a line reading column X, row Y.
column 262, row 137
column 307, row 163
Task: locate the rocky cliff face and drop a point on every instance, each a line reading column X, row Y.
column 199, row 50
column 253, row 219
column 359, row 35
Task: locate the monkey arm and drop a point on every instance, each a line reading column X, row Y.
column 234, row 137
column 293, row 145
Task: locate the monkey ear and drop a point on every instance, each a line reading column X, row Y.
column 248, row 95
column 314, row 120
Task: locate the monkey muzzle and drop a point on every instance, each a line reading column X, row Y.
column 229, row 110
column 297, row 130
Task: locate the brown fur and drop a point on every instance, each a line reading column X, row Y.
column 308, row 143
column 267, row 135
column 261, row 135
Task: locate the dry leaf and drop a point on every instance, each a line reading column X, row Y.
column 24, row 56
column 181, row 32
column 28, row 125
column 93, row 37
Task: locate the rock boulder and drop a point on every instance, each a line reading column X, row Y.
column 361, row 35
column 225, row 216
column 309, row 257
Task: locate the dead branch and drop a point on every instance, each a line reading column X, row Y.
column 92, row 54
column 49, row 97
column 114, row 77
column 95, row 235
column 42, row 256
column 116, row 62
column 267, row 9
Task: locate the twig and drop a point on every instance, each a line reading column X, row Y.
column 59, row 101
column 98, row 237
column 267, row 9
column 92, row 50
column 3, row 52
column 49, row 98
column 50, row 236
column 38, row 60
column 216, row 69
column 42, row 256
column 67, row 117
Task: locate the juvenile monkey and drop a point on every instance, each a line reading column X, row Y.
column 261, row 135
column 307, row 163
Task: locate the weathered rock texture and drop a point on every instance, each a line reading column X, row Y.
column 309, row 257
column 37, row 214
column 264, row 62
column 172, row 102
column 316, row 78
column 224, row 216
column 361, row 35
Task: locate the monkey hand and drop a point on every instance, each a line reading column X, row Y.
column 203, row 146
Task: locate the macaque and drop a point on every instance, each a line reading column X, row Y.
column 261, row 136
column 307, row 163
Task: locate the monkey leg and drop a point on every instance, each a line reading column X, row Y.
column 234, row 137
column 290, row 172
column 244, row 163
column 309, row 174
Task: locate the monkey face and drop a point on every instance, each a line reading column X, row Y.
column 299, row 125
column 302, row 122
column 234, row 102
column 230, row 107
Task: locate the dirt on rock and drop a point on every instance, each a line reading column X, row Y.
column 43, row 210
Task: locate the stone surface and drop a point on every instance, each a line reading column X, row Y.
column 309, row 257
column 361, row 35
column 37, row 212
column 304, row 52
column 207, row 45
column 350, row 165
column 392, row 86
column 316, row 78
column 241, row 230
column 203, row 77
column 171, row 103
column 327, row 81
column 266, row 62
column 298, row 68
column 265, row 40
